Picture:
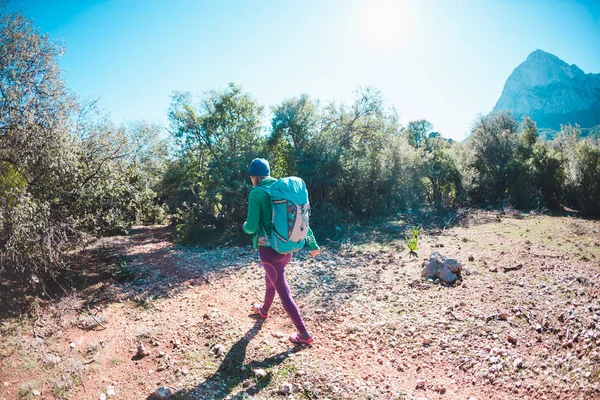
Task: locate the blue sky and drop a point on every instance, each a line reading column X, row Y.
column 445, row 61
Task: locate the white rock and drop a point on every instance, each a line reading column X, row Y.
column 52, row 359
column 102, row 396
column 286, row 388
column 163, row 393
column 110, row 391
column 494, row 351
column 518, row 363
column 142, row 351
column 278, row 335
column 36, row 392
column 219, row 349
column 259, row 373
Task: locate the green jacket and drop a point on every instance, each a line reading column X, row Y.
column 259, row 216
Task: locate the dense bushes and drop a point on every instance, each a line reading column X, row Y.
column 359, row 162
column 65, row 173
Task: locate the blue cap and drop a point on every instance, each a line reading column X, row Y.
column 259, row 167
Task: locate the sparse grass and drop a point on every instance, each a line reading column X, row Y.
column 69, row 376
column 560, row 233
column 287, row 369
column 194, row 358
column 144, row 333
column 27, row 390
column 117, row 361
column 28, row 363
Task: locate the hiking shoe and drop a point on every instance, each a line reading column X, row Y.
column 258, row 310
column 297, row 339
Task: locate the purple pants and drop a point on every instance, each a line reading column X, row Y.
column 274, row 265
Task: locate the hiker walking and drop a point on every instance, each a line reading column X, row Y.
column 278, row 220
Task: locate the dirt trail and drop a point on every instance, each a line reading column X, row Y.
column 382, row 332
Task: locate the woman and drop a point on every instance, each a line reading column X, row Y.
column 259, row 217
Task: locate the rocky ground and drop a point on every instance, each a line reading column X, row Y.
column 524, row 323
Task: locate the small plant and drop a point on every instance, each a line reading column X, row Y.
column 413, row 241
column 28, row 390
column 28, row 364
column 122, row 271
column 117, row 361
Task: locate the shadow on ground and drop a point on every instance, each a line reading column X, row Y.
column 234, row 371
column 154, row 267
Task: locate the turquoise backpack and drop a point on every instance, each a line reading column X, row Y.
column 290, row 213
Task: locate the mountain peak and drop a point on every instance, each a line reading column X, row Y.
column 545, row 85
column 541, row 55
column 542, row 68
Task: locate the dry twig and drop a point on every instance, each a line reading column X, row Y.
column 94, row 317
column 455, row 317
column 507, row 269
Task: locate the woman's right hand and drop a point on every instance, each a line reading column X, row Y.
column 314, row 253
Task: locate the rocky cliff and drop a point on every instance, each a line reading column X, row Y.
column 552, row 92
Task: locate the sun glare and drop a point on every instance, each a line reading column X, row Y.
column 384, row 22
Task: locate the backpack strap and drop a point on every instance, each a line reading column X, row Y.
column 273, row 202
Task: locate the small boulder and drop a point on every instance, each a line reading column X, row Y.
column 219, row 350
column 447, row 270
column 142, row 351
column 110, row 391
column 259, row 373
column 286, row 388
column 163, row 393
column 518, row 364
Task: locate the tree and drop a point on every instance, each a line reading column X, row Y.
column 529, row 132
column 418, row 131
column 293, row 127
column 35, row 149
column 440, row 169
column 65, row 171
column 588, row 178
column 220, row 136
column 493, row 142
